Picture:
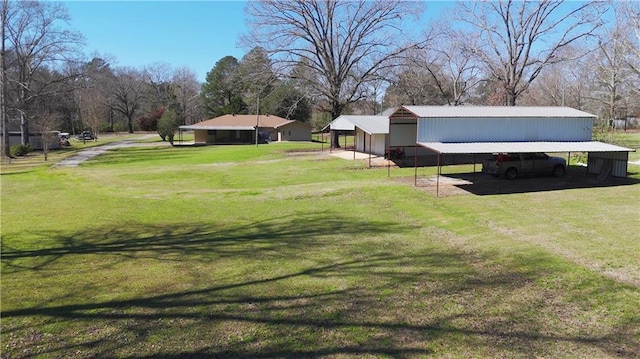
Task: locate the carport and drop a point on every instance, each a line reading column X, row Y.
column 603, row 158
column 340, row 125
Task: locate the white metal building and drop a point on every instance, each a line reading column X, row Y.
column 479, row 130
column 370, row 133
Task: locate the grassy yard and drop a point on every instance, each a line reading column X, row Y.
column 282, row 251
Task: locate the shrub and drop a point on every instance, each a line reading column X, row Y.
column 20, row 150
column 167, row 125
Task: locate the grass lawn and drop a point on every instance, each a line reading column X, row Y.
column 282, row 251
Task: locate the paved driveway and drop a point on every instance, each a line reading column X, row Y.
column 92, row 152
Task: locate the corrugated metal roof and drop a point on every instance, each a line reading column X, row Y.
column 372, row 125
column 495, row 111
column 340, row 123
column 521, row 147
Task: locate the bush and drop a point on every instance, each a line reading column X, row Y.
column 167, row 125
column 20, row 150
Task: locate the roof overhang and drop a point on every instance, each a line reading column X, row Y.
column 521, row 147
column 240, row 128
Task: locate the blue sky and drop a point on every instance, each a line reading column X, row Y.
column 182, row 33
column 194, row 34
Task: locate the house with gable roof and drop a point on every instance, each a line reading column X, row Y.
column 243, row 129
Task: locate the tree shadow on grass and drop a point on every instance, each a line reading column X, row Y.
column 220, row 321
column 375, row 302
column 282, row 237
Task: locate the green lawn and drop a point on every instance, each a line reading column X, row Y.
column 280, row 251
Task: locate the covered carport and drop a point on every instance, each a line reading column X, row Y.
column 604, row 159
column 339, row 126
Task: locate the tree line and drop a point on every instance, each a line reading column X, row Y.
column 314, row 60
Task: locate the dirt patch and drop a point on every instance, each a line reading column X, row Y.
column 484, row 184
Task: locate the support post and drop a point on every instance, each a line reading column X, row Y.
column 415, row 167
column 257, row 120
column 474, row 167
column 370, row 151
column 438, row 177
column 355, row 142
column 388, row 152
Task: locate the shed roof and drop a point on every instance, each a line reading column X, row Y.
column 495, row 111
column 521, row 147
column 373, row 125
column 340, row 123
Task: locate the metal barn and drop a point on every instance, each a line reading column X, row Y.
column 475, row 130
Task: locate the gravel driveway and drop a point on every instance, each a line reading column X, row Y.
column 92, row 152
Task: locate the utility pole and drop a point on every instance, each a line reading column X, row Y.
column 257, row 120
column 4, row 121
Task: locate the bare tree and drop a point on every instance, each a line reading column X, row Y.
column 342, row 44
column 615, row 80
column 187, row 91
column 92, row 94
column 453, row 70
column 36, row 42
column 631, row 12
column 158, row 78
column 46, row 123
column 516, row 40
column 127, row 93
column 415, row 85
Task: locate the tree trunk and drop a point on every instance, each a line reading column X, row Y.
column 130, row 124
column 336, row 111
column 24, row 129
column 335, row 140
column 510, row 97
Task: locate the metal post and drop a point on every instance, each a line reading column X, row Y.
column 415, row 166
column 438, row 177
column 474, row 167
column 355, row 141
column 369, row 151
column 257, row 120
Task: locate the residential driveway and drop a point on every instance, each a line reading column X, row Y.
column 92, row 152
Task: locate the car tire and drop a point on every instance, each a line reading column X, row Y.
column 511, row 173
column 558, row 171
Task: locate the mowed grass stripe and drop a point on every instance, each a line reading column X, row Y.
column 174, row 254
